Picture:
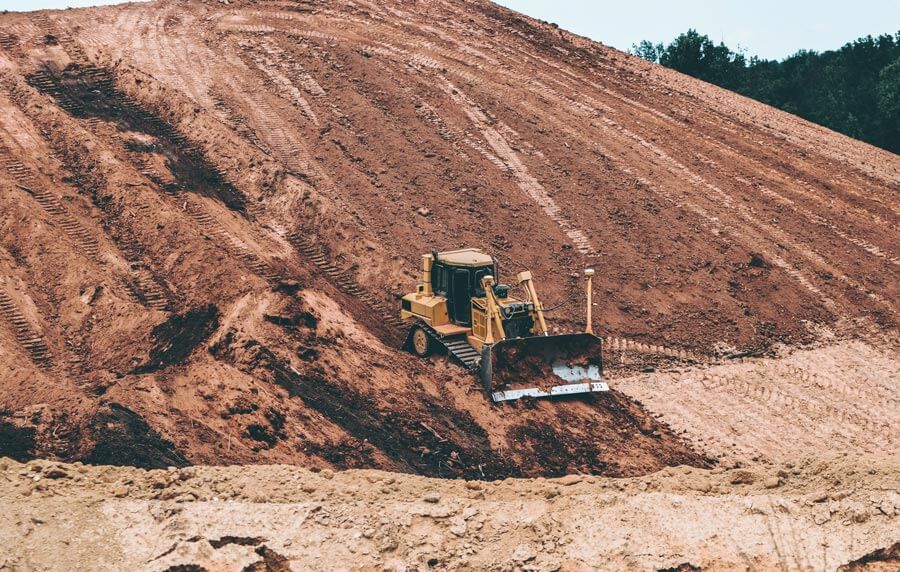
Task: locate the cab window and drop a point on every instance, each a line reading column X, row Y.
column 479, row 274
column 440, row 279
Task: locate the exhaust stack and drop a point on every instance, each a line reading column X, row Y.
column 427, row 260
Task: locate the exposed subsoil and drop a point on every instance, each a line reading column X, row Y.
column 771, row 517
column 208, row 213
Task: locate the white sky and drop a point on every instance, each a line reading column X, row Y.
column 768, row 28
column 772, row 29
column 25, row 5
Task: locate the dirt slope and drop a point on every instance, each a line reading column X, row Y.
column 209, row 210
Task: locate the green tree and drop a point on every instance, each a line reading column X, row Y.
column 854, row 90
column 888, row 92
column 696, row 55
column 647, row 50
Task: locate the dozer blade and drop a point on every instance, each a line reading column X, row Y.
column 542, row 366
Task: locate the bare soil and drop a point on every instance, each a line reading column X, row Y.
column 772, row 517
column 209, row 210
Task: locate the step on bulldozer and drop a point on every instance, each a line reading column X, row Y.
column 461, row 307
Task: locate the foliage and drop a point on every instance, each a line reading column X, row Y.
column 854, row 90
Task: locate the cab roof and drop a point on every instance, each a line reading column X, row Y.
column 465, row 257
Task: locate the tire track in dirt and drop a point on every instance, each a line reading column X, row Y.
column 342, row 279
column 770, row 233
column 529, row 185
column 802, row 134
column 142, row 283
column 268, row 66
column 30, row 186
column 590, row 110
column 823, row 398
column 288, row 150
column 25, row 333
column 503, row 151
column 712, row 221
column 807, row 194
column 592, row 106
column 720, row 143
column 293, row 154
column 675, row 167
column 189, row 205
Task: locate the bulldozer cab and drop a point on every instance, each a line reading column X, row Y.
column 457, row 275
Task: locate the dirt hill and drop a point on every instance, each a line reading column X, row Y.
column 209, row 210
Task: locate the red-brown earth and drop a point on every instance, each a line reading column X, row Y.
column 208, row 212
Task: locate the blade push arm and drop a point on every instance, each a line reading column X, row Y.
column 493, row 308
column 526, row 281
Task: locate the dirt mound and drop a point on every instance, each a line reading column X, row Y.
column 248, row 518
column 208, row 213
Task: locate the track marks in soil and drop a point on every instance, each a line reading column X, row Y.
column 198, row 212
column 829, row 397
column 91, row 93
column 797, row 187
column 345, row 283
column 25, row 333
column 529, row 185
column 503, row 154
column 28, row 184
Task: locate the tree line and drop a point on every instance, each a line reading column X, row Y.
column 854, row 90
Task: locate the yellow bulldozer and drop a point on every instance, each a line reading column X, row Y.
column 461, row 308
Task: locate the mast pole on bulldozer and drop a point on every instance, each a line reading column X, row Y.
column 588, row 276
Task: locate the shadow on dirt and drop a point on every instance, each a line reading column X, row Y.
column 122, row 437
column 16, row 442
column 176, row 338
column 882, row 559
column 90, row 92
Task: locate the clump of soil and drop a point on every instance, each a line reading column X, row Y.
column 176, row 338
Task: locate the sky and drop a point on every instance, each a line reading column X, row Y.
column 772, row 29
column 25, row 5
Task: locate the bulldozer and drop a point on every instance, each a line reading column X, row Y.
column 462, row 309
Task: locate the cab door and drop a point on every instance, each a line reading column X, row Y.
column 460, row 298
